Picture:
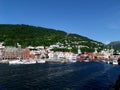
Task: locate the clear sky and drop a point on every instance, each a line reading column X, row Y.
column 95, row 19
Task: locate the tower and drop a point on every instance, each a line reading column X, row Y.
column 79, row 51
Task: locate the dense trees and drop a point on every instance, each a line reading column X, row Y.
column 29, row 35
column 32, row 35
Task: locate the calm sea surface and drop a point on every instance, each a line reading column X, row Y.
column 51, row 76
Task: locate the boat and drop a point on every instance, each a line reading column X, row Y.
column 15, row 62
column 72, row 60
column 29, row 61
column 86, row 60
column 109, row 61
column 115, row 62
column 105, row 61
column 40, row 61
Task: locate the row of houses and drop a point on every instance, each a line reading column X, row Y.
column 40, row 52
column 103, row 55
column 33, row 52
column 15, row 53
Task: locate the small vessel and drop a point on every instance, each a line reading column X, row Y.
column 40, row 61
column 115, row 62
column 86, row 60
column 15, row 62
column 109, row 61
column 105, row 61
column 29, row 61
column 72, row 60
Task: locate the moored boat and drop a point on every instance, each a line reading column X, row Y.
column 115, row 62
column 86, row 60
column 29, row 61
column 71, row 60
column 15, row 62
column 40, row 61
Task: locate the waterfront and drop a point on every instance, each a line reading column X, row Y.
column 59, row 76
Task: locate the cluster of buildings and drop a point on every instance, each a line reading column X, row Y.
column 40, row 52
column 106, row 54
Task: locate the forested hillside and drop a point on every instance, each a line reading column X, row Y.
column 31, row 35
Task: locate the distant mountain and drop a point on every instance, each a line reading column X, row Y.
column 32, row 35
column 115, row 45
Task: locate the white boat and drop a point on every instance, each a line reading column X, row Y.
column 86, row 60
column 15, row 62
column 115, row 62
column 105, row 61
column 72, row 60
column 29, row 61
column 109, row 62
column 40, row 61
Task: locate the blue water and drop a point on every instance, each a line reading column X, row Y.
column 51, row 76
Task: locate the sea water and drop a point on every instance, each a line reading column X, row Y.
column 59, row 76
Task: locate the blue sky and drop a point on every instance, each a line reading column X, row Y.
column 95, row 19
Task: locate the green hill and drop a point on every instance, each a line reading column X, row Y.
column 31, row 35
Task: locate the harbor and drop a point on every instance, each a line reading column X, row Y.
column 39, row 54
column 60, row 45
column 63, row 76
column 39, row 68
